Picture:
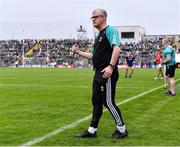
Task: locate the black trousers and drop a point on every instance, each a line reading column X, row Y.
column 104, row 94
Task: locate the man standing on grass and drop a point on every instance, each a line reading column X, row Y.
column 169, row 61
column 105, row 58
column 158, row 56
column 129, row 61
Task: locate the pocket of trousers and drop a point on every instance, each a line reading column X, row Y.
column 100, row 79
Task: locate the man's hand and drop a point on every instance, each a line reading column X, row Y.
column 107, row 72
column 168, row 58
column 75, row 49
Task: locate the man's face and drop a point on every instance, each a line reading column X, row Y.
column 163, row 43
column 97, row 19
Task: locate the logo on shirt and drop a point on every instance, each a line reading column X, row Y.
column 100, row 39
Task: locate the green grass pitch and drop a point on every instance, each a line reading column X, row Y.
column 34, row 102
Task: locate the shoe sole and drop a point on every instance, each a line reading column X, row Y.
column 125, row 137
column 110, row 137
column 85, row 137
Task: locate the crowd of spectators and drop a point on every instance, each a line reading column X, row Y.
column 58, row 52
column 12, row 50
column 143, row 51
column 144, row 54
column 49, row 51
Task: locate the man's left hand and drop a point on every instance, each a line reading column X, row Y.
column 107, row 72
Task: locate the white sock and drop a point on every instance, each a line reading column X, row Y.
column 92, row 130
column 121, row 128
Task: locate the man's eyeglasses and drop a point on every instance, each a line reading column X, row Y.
column 95, row 17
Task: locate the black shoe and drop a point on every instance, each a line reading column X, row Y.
column 167, row 93
column 170, row 94
column 129, row 76
column 86, row 134
column 118, row 135
column 125, row 76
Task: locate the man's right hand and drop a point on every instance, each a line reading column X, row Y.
column 75, row 49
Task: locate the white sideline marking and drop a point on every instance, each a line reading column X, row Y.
column 75, row 123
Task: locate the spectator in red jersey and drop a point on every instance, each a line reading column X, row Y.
column 158, row 56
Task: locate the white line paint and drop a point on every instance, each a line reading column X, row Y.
column 74, row 124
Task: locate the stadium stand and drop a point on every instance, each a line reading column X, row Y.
column 53, row 52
